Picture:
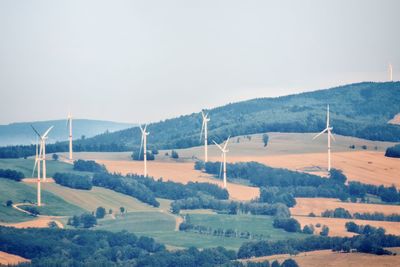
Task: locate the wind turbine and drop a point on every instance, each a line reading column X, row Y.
column 390, row 72
column 204, row 129
column 43, row 139
column 224, row 151
column 69, row 124
column 328, row 130
column 144, row 144
column 37, row 163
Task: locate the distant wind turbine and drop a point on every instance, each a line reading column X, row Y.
column 224, row 151
column 37, row 163
column 43, row 139
column 390, row 72
column 204, row 129
column 69, row 124
column 144, row 144
column 328, row 130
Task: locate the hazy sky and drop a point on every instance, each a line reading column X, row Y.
column 148, row 60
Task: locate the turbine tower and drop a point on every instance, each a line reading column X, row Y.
column 390, row 72
column 328, row 130
column 43, row 139
column 37, row 163
column 204, row 129
column 144, row 144
column 224, row 151
column 69, row 124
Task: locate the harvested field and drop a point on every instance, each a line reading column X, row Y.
column 335, row 259
column 182, row 172
column 40, row 222
column 395, row 120
column 337, row 225
column 318, row 205
column 10, row 259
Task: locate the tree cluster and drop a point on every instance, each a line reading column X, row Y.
column 393, row 152
column 11, row 174
column 73, row 180
column 376, row 216
column 88, row 166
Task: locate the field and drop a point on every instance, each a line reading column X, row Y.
column 334, row 259
column 19, row 192
column 395, row 120
column 337, row 225
column 299, row 152
column 305, row 206
column 10, row 259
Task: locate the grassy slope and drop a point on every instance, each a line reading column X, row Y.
column 20, row 192
column 26, row 166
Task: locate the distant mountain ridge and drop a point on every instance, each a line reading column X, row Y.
column 21, row 133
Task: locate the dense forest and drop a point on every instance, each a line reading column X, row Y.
column 360, row 110
column 56, row 247
column 282, row 185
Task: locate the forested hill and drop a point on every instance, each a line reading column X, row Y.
column 360, row 110
column 22, row 133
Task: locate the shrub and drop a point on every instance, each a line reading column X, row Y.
column 265, row 139
column 100, row 212
column 174, row 154
column 287, row 224
column 308, row 229
column 324, row 231
column 140, row 156
column 55, row 157
column 9, row 203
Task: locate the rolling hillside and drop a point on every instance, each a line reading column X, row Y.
column 22, row 134
column 360, row 110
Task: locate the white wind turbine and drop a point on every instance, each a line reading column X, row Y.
column 204, row 129
column 390, row 72
column 143, row 144
column 69, row 124
column 328, row 130
column 224, row 151
column 37, row 163
column 43, row 139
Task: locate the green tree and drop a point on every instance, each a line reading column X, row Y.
column 55, row 157
column 265, row 139
column 122, row 209
column 324, row 231
column 100, row 212
column 174, row 154
column 9, row 203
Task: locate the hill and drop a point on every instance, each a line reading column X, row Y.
column 21, row 133
column 360, row 110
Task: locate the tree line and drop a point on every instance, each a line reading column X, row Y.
column 373, row 242
column 282, row 185
column 376, row 216
column 72, row 180
column 11, row 174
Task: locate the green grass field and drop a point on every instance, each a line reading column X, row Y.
column 255, row 224
column 19, row 192
column 26, row 166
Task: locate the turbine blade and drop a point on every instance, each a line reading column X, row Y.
column 141, row 129
column 34, row 167
column 202, row 128
column 226, row 142
column 327, row 116
column 331, row 135
column 36, row 131
column 141, row 145
column 47, row 132
column 326, row 129
column 220, row 167
column 217, row 145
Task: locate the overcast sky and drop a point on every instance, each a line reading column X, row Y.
column 140, row 61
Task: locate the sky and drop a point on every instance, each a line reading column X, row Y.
column 145, row 61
